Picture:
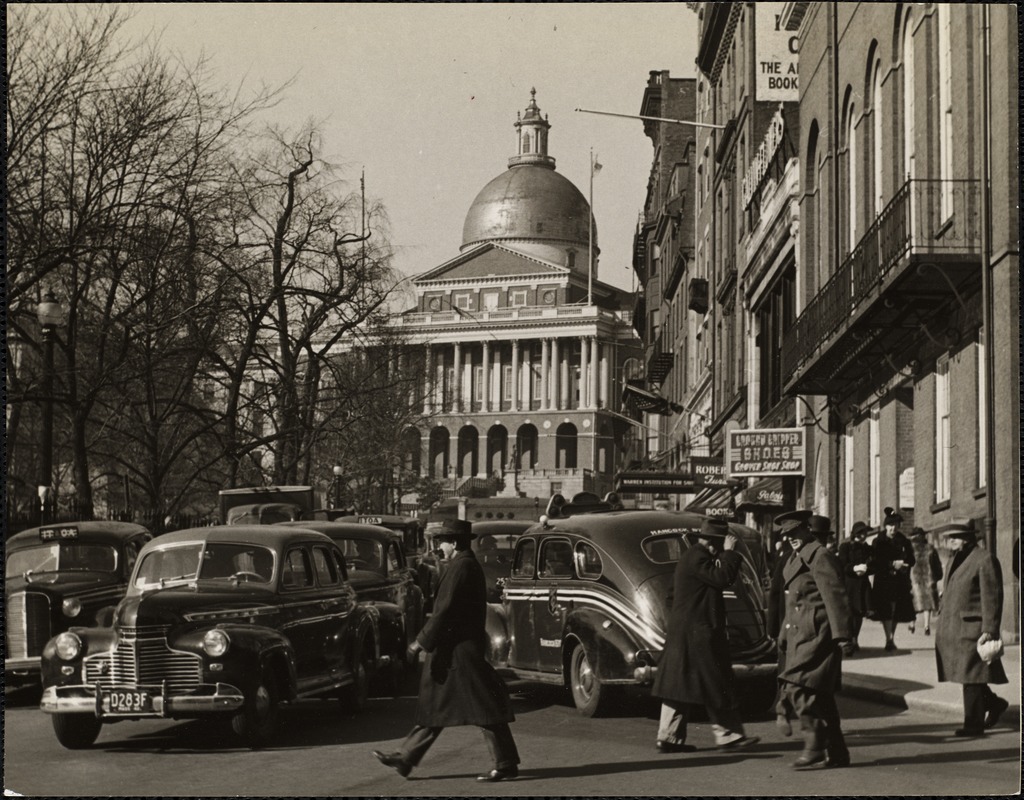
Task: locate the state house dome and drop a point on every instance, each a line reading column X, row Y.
column 531, row 207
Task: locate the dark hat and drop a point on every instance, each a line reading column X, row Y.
column 962, row 528
column 714, row 527
column 455, row 529
column 819, row 525
column 792, row 520
column 917, row 532
column 892, row 517
column 858, row 528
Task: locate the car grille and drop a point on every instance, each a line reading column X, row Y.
column 28, row 624
column 142, row 658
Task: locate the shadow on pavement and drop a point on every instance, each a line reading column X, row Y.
column 22, row 696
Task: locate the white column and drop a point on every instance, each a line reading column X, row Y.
column 545, row 363
column 594, row 362
column 516, row 377
column 526, row 378
column 428, row 400
column 564, row 382
column 554, row 374
column 605, row 348
column 494, row 379
column 457, row 380
column 584, row 373
column 485, row 378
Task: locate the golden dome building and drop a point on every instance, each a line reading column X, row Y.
column 523, row 346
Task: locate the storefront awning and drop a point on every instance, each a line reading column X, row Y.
column 713, row 503
column 766, row 496
column 635, row 396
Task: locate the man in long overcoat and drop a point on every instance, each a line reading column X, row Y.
column 695, row 667
column 817, row 623
column 458, row 686
column 971, row 610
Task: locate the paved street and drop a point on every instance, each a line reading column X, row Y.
column 322, row 752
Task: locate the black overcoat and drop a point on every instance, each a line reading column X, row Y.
column 858, row 587
column 817, row 614
column 458, row 686
column 972, row 604
column 695, row 666
column 891, row 596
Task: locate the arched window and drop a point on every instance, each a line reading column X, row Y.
column 908, row 98
column 877, row 156
column 851, row 177
column 945, row 108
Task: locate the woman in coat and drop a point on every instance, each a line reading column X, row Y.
column 891, row 560
column 855, row 560
column 924, row 578
column 458, row 686
column 972, row 607
column 695, row 667
column 816, row 625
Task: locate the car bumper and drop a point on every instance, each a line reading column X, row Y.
column 203, row 699
column 645, row 674
column 22, row 666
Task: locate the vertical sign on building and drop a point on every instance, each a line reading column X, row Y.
column 775, row 55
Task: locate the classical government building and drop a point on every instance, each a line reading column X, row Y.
column 524, row 348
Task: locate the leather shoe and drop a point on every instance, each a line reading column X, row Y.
column 999, row 706
column 736, row 744
column 810, row 759
column 969, row 733
column 672, row 747
column 841, row 759
column 495, row 775
column 395, row 761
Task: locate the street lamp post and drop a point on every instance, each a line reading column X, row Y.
column 338, row 472
column 50, row 315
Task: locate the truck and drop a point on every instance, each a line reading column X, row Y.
column 264, row 505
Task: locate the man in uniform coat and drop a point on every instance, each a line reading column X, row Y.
column 695, row 667
column 458, row 686
column 817, row 623
column 971, row 609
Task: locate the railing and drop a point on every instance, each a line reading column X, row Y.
column 506, row 314
column 925, row 218
column 659, row 360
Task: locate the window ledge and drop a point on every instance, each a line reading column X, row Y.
column 935, row 508
column 978, row 493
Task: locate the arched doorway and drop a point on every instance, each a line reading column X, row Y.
column 565, row 446
column 497, row 449
column 439, row 441
column 526, row 446
column 467, row 460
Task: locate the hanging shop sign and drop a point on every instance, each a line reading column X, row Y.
column 758, row 167
column 708, row 471
column 775, row 55
column 766, row 496
column 654, row 482
column 766, row 452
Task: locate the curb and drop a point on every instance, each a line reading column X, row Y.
column 875, row 690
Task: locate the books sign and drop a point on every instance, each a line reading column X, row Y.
column 766, row 452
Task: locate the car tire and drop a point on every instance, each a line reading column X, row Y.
column 76, row 731
column 356, row 694
column 589, row 695
column 257, row 721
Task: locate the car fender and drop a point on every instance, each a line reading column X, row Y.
column 367, row 629
column 94, row 640
column 611, row 649
column 252, row 648
column 497, row 634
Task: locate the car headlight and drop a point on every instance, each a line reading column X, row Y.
column 71, row 607
column 216, row 642
column 68, row 646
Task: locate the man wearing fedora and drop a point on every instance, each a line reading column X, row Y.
column 971, row 609
column 458, row 686
column 816, row 625
column 695, row 667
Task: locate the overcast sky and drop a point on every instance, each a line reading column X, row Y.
column 423, row 96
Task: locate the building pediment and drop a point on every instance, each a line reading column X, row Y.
column 490, row 262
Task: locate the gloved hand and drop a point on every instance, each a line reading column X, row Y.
column 846, row 647
column 413, row 652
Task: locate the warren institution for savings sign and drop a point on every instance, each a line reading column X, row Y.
column 765, row 452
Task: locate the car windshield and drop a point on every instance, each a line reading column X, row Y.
column 230, row 562
column 365, row 554
column 62, row 557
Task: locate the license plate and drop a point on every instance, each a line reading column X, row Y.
column 129, row 702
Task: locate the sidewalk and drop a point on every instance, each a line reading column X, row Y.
column 907, row 677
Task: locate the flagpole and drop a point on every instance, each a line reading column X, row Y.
column 590, row 244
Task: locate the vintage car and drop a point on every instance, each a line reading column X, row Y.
column 61, row 575
column 224, row 620
column 586, row 603
column 380, row 574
